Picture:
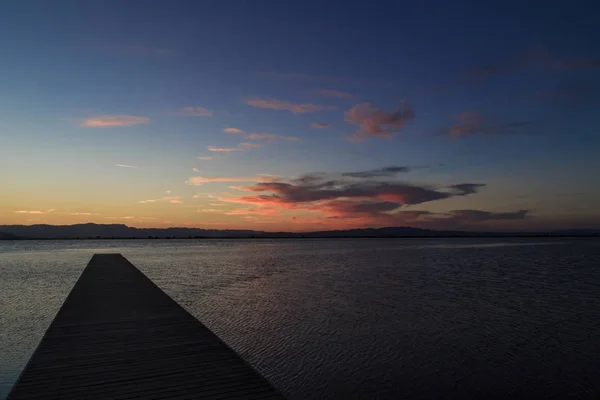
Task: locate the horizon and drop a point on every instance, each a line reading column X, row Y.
column 329, row 117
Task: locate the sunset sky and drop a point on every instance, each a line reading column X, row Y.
column 313, row 115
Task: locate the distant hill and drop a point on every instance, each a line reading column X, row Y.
column 7, row 236
column 119, row 231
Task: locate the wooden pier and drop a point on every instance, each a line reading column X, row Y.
column 118, row 336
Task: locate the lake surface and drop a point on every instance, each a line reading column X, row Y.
column 354, row 318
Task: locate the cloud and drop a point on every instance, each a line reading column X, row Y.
column 465, row 216
column 209, row 210
column 81, row 213
column 233, row 130
column 463, row 189
column 275, row 104
column 315, row 192
column 473, row 123
column 335, row 93
column 376, row 123
column 205, row 158
column 517, row 62
column 199, row 180
column 319, row 125
column 271, row 136
column 195, row 170
column 249, row 145
column 256, row 211
column 324, row 78
column 224, row 149
column 167, row 199
column 125, row 166
column 194, row 112
column 35, row 212
column 139, row 50
column 108, row 121
column 376, row 173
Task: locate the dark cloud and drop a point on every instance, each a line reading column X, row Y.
column 374, row 122
column 375, row 173
column 466, row 216
column 337, row 197
column 466, row 188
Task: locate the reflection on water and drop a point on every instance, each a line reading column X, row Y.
column 388, row 319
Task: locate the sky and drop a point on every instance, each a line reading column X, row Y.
column 300, row 116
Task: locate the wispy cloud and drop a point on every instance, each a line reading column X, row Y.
column 208, row 210
column 325, row 78
column 271, row 136
column 205, row 158
column 199, row 180
column 167, row 199
column 378, row 173
column 335, row 93
column 137, row 50
column 194, row 112
column 374, row 122
column 319, row 125
column 296, row 108
column 224, row 149
column 35, row 212
column 474, row 123
column 108, row 121
column 233, row 130
column 81, row 213
column 125, row 166
column 195, row 170
column 249, row 145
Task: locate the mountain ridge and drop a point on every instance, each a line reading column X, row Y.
column 122, row 231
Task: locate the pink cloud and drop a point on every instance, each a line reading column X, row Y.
column 319, row 125
column 194, row 112
column 108, row 121
column 335, row 93
column 224, row 149
column 275, row 104
column 233, row 130
column 376, row 123
column 256, row 211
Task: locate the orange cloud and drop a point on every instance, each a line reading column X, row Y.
column 224, row 149
column 168, row 199
column 335, row 93
column 258, row 211
column 81, row 213
column 374, row 122
column 275, row 104
column 233, row 130
column 108, row 121
column 35, row 212
column 194, row 112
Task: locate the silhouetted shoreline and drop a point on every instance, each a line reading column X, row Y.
column 124, row 232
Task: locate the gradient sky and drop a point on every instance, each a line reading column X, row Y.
column 309, row 115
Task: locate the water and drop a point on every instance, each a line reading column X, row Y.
column 371, row 318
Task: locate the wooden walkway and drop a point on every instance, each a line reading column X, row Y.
column 118, row 336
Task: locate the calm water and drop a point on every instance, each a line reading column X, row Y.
column 378, row 319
